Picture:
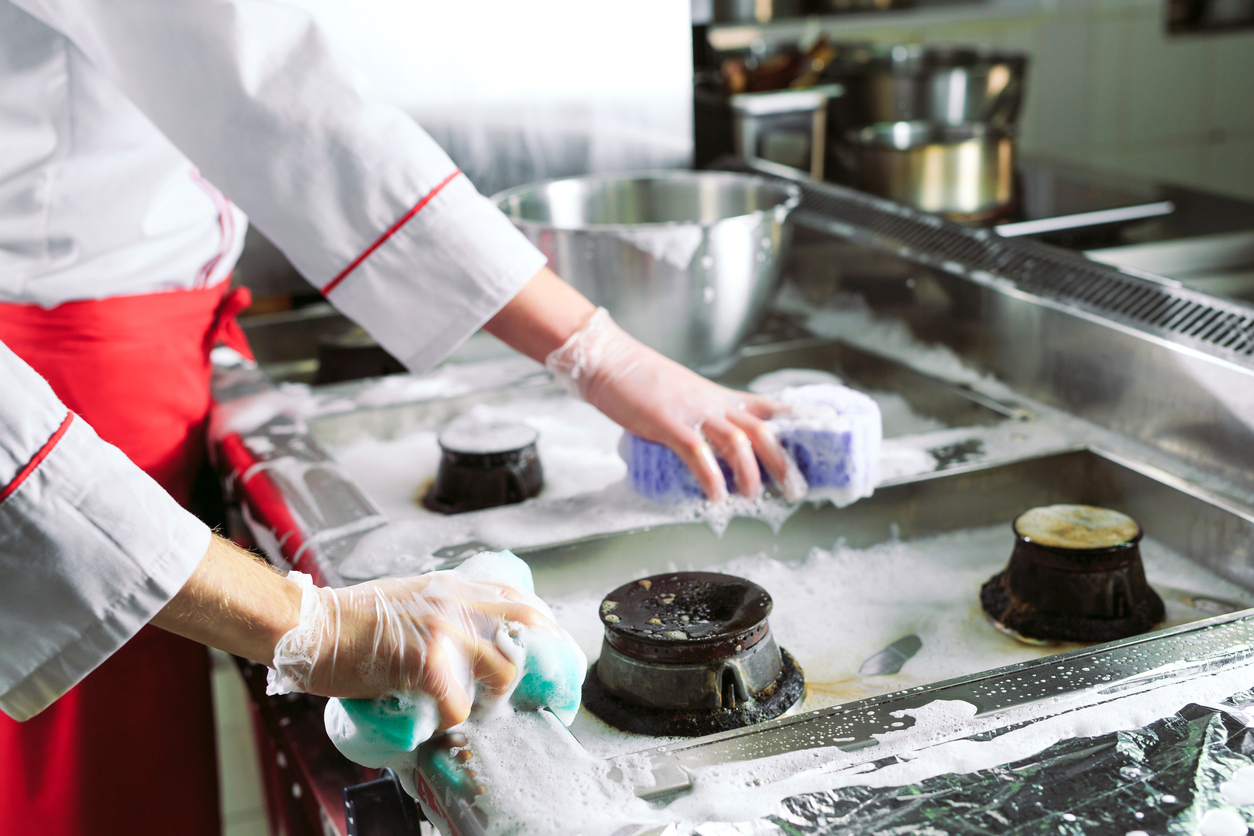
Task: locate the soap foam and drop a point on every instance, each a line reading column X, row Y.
column 578, row 792
column 1239, row 789
column 550, row 672
column 576, row 445
column 837, row 607
column 833, row 609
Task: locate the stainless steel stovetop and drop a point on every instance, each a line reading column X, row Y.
column 1092, row 386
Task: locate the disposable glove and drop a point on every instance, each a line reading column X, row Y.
column 438, row 635
column 476, row 634
column 659, row 400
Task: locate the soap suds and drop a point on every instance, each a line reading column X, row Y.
column 1239, row 789
column 837, row 607
column 1222, row 823
column 577, row 446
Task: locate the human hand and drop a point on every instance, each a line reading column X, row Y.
column 435, row 634
column 661, row 401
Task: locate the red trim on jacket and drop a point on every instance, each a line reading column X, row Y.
column 36, row 459
column 331, row 285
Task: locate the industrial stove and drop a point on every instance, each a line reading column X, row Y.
column 1012, row 376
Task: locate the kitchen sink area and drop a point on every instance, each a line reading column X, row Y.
column 1010, row 375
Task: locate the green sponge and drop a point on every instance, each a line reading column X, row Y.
column 386, row 731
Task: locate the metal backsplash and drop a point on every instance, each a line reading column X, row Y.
column 1145, row 356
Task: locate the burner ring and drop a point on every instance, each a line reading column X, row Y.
column 685, row 617
column 690, row 653
column 1075, row 575
column 787, row 689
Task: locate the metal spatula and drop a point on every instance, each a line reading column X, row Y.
column 891, row 658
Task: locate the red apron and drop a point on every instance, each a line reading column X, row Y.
column 130, row 749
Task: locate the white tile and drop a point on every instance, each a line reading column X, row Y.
column 1181, row 165
column 1022, row 37
column 1234, row 81
column 1167, row 84
column 985, row 33
column 1104, row 103
column 1230, row 167
column 1055, row 116
column 1127, row 9
column 252, row 823
column 239, row 774
column 230, row 699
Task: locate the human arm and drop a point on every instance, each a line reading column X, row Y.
column 233, row 601
column 430, row 633
column 646, row 393
column 371, row 211
column 90, row 547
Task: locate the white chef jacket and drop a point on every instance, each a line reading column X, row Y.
column 115, row 118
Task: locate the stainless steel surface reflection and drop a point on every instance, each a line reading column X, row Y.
column 964, row 171
column 684, row 261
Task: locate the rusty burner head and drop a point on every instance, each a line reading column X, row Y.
column 689, row 653
column 1075, row 575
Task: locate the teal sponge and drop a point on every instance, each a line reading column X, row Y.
column 386, row 731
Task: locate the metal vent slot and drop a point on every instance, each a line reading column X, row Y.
column 1218, row 326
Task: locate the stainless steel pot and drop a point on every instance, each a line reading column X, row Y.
column 755, row 11
column 684, row 261
column 965, row 171
column 948, row 85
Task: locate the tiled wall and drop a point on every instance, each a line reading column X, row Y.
column 1109, row 88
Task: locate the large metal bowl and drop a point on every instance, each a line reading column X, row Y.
column 684, row 261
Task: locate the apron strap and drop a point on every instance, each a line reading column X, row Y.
column 226, row 328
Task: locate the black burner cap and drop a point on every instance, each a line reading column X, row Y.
column 1075, row 575
column 782, row 694
column 685, row 616
column 484, row 464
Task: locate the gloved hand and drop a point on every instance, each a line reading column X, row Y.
column 438, row 634
column 660, row 400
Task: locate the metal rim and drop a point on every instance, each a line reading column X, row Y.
column 924, row 133
column 792, row 198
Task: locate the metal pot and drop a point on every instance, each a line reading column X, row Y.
column 755, row 11
column 684, row 261
column 947, row 85
column 965, row 171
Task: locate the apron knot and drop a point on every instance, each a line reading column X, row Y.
column 226, row 328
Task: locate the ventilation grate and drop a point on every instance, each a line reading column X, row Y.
column 1218, row 326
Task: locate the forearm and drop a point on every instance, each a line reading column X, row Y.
column 234, row 602
column 542, row 316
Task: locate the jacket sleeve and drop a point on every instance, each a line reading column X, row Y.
column 90, row 547
column 360, row 199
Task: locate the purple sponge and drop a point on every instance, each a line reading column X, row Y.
column 658, row 473
column 832, row 433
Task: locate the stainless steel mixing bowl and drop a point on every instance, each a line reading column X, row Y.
column 685, row 261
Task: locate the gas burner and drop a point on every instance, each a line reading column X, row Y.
column 687, row 654
column 1075, row 575
column 484, row 464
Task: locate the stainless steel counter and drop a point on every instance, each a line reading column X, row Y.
column 1102, row 387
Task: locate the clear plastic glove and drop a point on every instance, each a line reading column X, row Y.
column 660, row 400
column 435, row 634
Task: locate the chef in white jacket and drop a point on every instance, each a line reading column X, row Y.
column 125, row 126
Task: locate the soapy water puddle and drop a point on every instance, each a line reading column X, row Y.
column 837, row 607
column 578, row 449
